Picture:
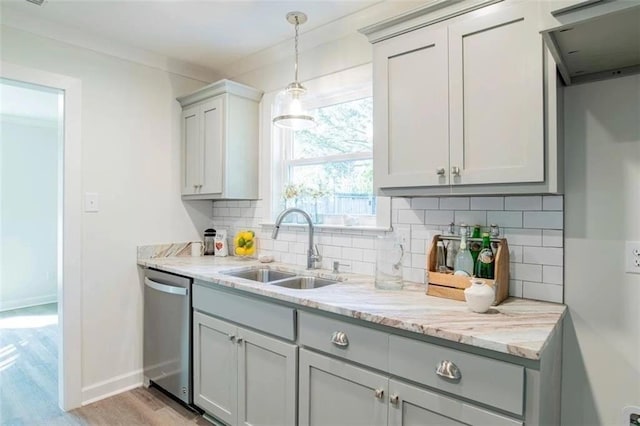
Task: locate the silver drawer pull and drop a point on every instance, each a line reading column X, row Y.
column 448, row 370
column 394, row 399
column 379, row 393
column 339, row 338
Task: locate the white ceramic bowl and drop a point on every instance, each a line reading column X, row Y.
column 479, row 296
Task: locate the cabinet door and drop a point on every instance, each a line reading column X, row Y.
column 496, row 97
column 191, row 150
column 333, row 392
column 411, row 124
column 215, row 371
column 413, row 406
column 266, row 380
column 212, row 145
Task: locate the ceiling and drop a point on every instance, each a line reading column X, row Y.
column 211, row 33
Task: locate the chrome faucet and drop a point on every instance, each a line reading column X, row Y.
column 313, row 256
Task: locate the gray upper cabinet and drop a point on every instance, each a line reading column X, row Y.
column 496, row 95
column 411, row 145
column 459, row 102
column 220, row 142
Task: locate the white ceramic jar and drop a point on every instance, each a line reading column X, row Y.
column 479, row 296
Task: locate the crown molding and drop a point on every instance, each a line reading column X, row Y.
column 65, row 34
column 338, row 29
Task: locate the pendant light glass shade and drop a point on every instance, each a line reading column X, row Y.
column 289, row 108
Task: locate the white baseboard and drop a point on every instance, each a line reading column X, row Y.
column 111, row 387
column 7, row 305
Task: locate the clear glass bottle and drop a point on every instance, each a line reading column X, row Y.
column 464, row 261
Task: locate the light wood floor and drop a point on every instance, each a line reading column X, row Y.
column 29, row 382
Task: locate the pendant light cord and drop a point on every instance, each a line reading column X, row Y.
column 296, row 49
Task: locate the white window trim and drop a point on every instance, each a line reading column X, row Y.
column 338, row 87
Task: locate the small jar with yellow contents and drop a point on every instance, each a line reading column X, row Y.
column 244, row 244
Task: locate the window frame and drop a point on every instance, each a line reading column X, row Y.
column 340, row 87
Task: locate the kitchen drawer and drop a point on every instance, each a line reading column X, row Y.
column 363, row 345
column 264, row 316
column 488, row 381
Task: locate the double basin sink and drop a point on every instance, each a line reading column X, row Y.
column 281, row 278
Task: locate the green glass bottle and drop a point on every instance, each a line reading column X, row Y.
column 485, row 262
column 475, row 246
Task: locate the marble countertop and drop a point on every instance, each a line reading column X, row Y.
column 519, row 327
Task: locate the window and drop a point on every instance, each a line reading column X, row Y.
column 328, row 170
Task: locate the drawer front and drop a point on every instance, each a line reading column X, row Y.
column 356, row 343
column 492, row 382
column 264, row 316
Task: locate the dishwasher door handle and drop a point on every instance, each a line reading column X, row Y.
column 180, row 291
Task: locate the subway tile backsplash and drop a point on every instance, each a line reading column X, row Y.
column 533, row 226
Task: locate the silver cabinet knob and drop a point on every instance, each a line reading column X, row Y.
column 448, row 370
column 232, row 337
column 239, row 340
column 440, row 171
column 379, row 393
column 455, row 170
column 339, row 338
column 394, row 399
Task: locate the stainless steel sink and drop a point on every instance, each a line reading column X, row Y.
column 262, row 275
column 303, row 283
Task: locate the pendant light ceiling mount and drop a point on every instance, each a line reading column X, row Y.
column 289, row 109
column 296, row 18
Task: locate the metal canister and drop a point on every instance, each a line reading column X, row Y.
column 209, row 241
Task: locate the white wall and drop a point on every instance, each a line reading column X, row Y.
column 130, row 152
column 28, row 210
column 601, row 365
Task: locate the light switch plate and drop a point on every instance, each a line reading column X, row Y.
column 91, row 202
column 632, row 256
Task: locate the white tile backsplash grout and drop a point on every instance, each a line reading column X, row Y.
column 533, row 226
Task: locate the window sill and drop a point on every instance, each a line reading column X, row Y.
column 373, row 229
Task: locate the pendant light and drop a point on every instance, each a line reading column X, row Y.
column 289, row 107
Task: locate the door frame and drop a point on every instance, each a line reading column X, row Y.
column 70, row 238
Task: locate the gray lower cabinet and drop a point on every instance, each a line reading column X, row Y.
column 333, row 392
column 242, row 377
column 413, row 406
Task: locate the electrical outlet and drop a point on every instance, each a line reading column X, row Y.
column 632, row 255
column 630, row 416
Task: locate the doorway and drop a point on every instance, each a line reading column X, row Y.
column 67, row 273
column 31, row 139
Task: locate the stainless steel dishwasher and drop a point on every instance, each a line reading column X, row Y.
column 167, row 333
